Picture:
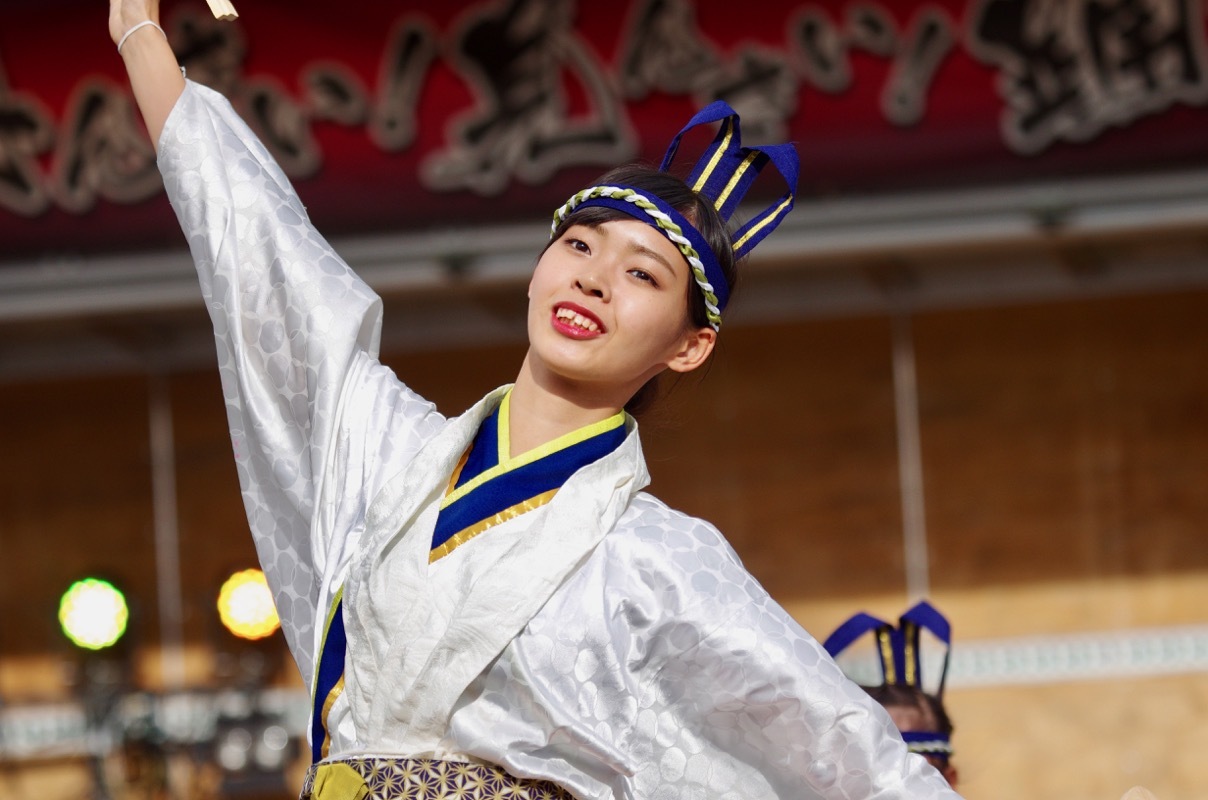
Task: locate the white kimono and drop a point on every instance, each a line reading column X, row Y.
column 604, row 641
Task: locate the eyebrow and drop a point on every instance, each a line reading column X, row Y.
column 642, row 250
column 639, row 249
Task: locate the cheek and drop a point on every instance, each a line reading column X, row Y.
column 663, row 331
column 653, row 315
column 539, row 281
column 670, row 315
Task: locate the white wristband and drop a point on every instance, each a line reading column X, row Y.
column 135, row 27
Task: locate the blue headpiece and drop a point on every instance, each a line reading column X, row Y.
column 723, row 174
column 899, row 654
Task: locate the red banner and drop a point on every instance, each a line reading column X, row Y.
column 404, row 115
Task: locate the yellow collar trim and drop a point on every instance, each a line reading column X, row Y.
column 458, row 539
column 331, row 614
column 507, row 464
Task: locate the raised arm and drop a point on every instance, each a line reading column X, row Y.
column 292, row 322
column 154, row 73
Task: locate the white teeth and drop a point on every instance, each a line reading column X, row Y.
column 567, row 315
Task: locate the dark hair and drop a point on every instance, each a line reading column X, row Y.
column 672, row 190
column 899, row 695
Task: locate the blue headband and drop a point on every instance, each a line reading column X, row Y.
column 723, row 174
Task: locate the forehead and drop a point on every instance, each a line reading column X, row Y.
column 641, row 239
column 912, row 718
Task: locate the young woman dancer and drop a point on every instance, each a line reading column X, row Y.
column 489, row 605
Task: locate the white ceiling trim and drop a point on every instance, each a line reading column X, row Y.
column 851, row 231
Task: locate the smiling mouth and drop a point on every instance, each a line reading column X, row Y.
column 570, row 318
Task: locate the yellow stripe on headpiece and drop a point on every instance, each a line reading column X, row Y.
column 909, row 636
column 722, row 147
column 735, row 178
column 891, row 672
column 762, row 223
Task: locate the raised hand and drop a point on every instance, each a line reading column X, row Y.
column 154, row 72
column 125, row 14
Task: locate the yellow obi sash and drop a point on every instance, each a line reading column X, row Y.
column 420, row 779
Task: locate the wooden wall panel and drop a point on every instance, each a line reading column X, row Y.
column 1066, row 441
column 75, row 498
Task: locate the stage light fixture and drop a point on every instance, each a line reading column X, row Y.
column 245, row 605
column 93, row 613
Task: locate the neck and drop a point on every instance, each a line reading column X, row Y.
column 544, row 408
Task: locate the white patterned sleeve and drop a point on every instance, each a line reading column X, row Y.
column 761, row 689
column 290, row 321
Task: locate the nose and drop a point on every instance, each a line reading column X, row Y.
column 590, row 283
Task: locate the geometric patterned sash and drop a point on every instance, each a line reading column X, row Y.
column 421, row 779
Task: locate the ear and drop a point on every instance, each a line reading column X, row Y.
column 696, row 346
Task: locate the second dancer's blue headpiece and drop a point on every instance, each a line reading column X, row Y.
column 900, row 656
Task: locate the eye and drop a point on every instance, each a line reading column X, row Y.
column 578, row 245
column 643, row 275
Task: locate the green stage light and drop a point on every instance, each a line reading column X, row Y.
column 246, row 607
column 93, row 614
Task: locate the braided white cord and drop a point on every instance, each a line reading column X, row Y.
column 669, row 228
column 930, row 746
